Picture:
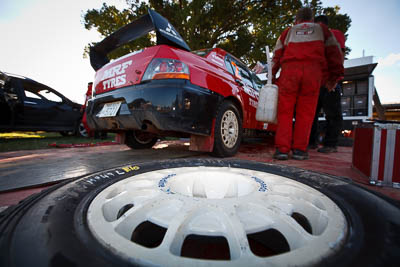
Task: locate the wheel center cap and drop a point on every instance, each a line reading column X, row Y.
column 212, row 184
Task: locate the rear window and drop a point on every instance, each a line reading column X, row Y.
column 38, row 91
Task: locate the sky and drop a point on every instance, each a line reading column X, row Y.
column 44, row 40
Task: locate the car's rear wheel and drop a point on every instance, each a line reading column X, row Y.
column 228, row 130
column 140, row 139
column 202, row 212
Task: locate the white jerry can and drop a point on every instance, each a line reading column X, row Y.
column 267, row 104
column 268, row 98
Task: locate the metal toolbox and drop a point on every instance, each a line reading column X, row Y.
column 360, row 101
column 362, row 87
column 360, row 112
column 376, row 153
column 349, row 88
column 345, row 101
column 346, row 112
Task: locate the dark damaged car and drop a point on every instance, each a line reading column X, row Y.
column 169, row 90
column 27, row 105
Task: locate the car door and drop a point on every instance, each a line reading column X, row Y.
column 248, row 92
column 65, row 114
column 46, row 109
column 38, row 112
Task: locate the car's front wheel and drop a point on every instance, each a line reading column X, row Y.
column 140, row 140
column 228, row 130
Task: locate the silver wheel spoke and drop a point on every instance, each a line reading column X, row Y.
column 235, row 233
column 229, row 128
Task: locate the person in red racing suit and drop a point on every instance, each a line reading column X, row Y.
column 308, row 56
column 87, row 97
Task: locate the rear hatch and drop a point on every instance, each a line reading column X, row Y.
column 129, row 69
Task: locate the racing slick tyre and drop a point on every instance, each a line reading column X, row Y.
column 202, row 212
column 228, row 130
column 140, row 140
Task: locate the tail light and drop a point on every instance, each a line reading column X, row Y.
column 163, row 68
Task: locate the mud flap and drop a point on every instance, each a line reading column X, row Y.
column 120, row 137
column 202, row 143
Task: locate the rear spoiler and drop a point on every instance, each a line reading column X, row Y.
column 165, row 33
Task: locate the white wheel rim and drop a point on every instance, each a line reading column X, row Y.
column 223, row 202
column 82, row 130
column 229, row 129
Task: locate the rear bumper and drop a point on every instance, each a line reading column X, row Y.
column 168, row 105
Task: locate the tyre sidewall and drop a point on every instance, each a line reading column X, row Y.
column 52, row 230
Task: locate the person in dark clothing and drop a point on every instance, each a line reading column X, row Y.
column 329, row 102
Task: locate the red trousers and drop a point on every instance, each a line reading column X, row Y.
column 84, row 121
column 299, row 84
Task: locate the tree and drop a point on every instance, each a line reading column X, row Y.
column 242, row 27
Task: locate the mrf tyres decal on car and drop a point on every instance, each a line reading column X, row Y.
column 116, row 75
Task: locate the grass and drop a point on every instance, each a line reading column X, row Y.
column 15, row 141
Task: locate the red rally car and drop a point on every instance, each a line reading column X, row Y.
column 167, row 90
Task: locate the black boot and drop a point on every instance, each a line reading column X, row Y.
column 280, row 155
column 299, row 155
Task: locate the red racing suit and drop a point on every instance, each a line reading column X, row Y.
column 340, row 38
column 83, row 109
column 308, row 56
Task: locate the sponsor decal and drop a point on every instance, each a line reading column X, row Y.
column 219, row 61
column 46, row 215
column 115, row 76
column 253, row 102
column 250, row 91
column 111, row 174
column 130, row 168
column 170, row 32
column 235, row 90
column 263, row 185
column 236, row 69
column 305, row 29
column 305, row 32
column 163, row 182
